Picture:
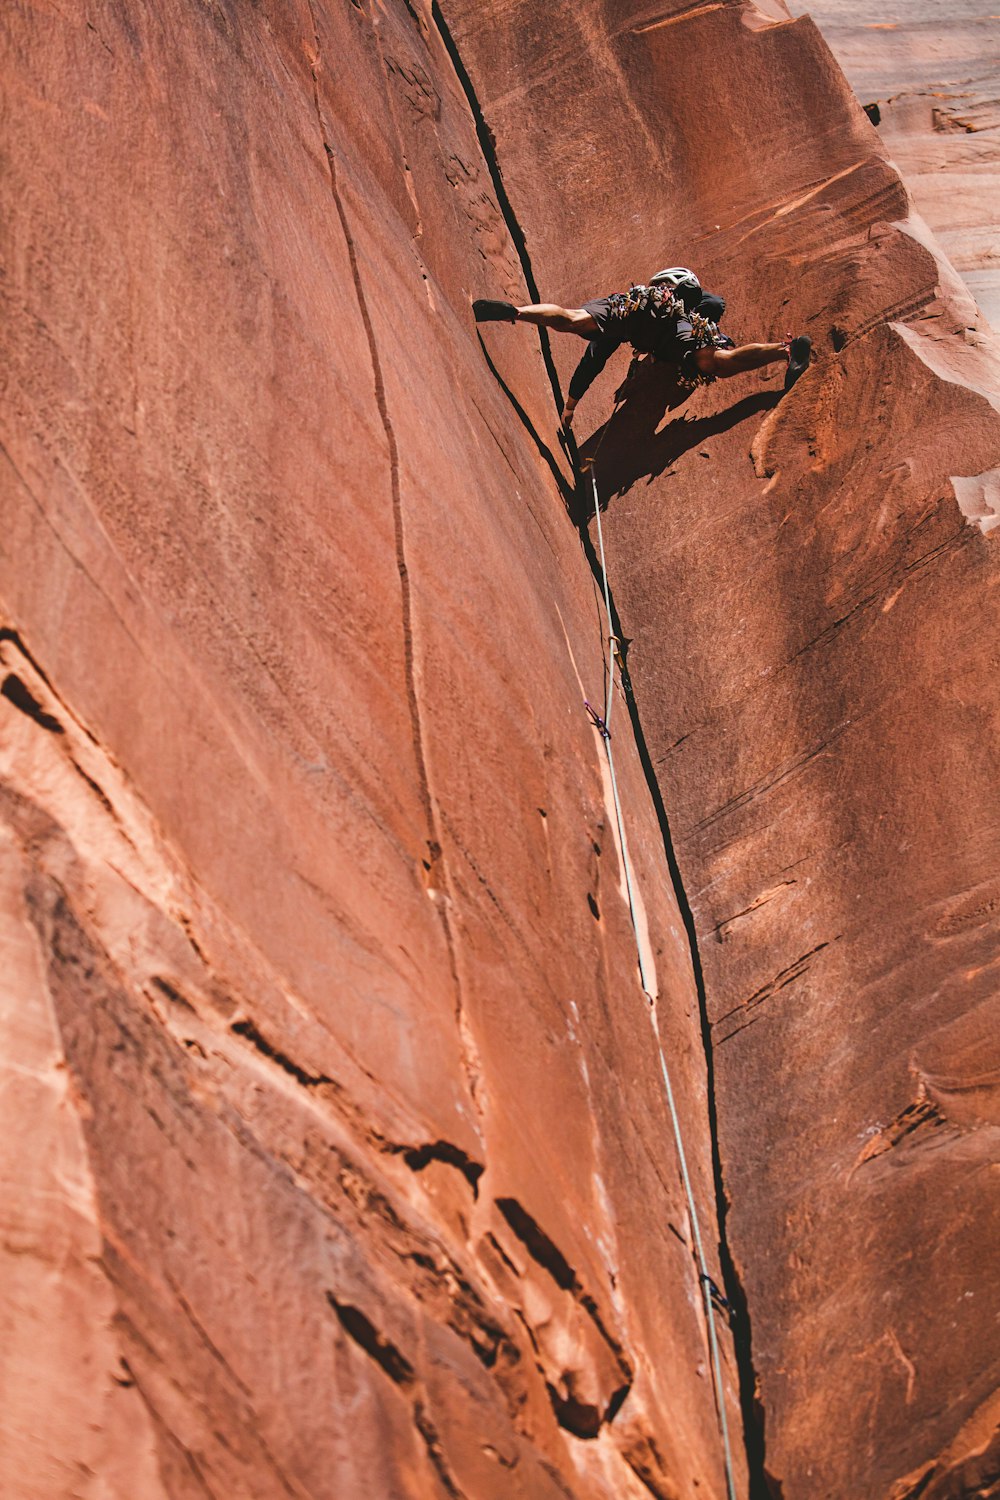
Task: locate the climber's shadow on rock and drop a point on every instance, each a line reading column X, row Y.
column 629, row 446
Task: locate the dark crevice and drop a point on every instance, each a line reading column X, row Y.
column 761, row 1485
column 172, row 993
column 920, row 1486
column 917, row 1125
column 580, row 1418
column 435, row 1449
column 418, row 1157
column 548, row 1255
column 538, row 1245
column 16, row 692
column 389, row 1359
column 492, row 1239
column 126, row 1379
column 250, row 1033
column 488, row 146
column 367, row 1337
column 7, row 634
column 101, row 796
column 767, row 991
column 617, row 1402
column 563, row 485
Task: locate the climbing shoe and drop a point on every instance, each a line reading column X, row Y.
column 494, row 312
column 798, row 359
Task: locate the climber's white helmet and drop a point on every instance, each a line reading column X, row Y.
column 676, row 276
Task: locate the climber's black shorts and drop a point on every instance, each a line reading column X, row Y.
column 670, row 344
column 599, row 310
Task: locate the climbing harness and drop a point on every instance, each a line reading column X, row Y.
column 709, row 1290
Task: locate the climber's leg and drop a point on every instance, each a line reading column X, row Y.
column 559, row 319
column 542, row 314
column 725, row 362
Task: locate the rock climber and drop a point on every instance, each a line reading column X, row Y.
column 671, row 318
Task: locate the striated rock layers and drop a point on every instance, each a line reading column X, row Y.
column 336, row 1155
column 933, row 73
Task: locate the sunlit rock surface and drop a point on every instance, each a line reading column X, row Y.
column 336, row 1155
column 810, row 598
column 932, row 69
column 337, row 1160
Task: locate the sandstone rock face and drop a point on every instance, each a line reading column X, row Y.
column 810, row 591
column 934, row 73
column 339, row 1152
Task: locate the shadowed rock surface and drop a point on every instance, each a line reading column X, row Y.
column 337, row 1155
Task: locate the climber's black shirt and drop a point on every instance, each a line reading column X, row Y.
column 652, row 321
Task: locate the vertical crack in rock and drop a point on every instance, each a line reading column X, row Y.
column 488, row 146
column 761, row 1486
column 433, row 863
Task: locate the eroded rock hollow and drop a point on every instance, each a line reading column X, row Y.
column 337, row 1151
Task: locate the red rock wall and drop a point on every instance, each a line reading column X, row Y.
column 810, row 591
column 333, row 1106
column 332, row 1102
column 934, row 76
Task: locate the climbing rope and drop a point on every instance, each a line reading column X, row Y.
column 602, row 723
column 605, row 730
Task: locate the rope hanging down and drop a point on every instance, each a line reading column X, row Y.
column 704, row 1278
